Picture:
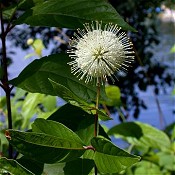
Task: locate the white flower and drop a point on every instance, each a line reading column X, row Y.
column 98, row 53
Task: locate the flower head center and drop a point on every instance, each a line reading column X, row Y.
column 98, row 53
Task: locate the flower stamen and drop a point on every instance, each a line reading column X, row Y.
column 98, row 53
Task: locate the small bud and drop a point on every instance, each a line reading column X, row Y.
column 30, row 41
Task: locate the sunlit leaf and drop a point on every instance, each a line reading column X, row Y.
column 145, row 167
column 52, row 137
column 167, row 160
column 109, row 158
column 172, row 49
column 56, row 129
column 113, row 94
column 140, row 134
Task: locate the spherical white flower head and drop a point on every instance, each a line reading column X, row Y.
column 98, row 53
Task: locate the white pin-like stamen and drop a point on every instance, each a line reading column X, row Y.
column 98, row 53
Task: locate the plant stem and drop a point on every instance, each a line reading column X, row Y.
column 5, row 84
column 96, row 119
column 96, row 106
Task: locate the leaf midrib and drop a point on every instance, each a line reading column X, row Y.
column 68, row 140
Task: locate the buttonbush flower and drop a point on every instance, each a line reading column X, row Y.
column 98, row 52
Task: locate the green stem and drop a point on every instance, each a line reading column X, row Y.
column 96, row 106
column 4, row 80
column 96, row 118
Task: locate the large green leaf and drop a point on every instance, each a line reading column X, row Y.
column 72, row 13
column 58, row 130
column 67, row 95
column 35, row 77
column 140, row 134
column 55, row 139
column 70, row 97
column 109, row 158
column 13, row 167
column 75, row 118
column 34, row 166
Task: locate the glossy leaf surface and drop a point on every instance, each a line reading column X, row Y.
column 109, row 158
column 72, row 14
column 58, row 130
column 73, row 99
column 59, row 143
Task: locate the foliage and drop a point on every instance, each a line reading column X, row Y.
column 63, row 140
column 154, row 146
column 139, row 14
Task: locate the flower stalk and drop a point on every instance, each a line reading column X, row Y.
column 96, row 124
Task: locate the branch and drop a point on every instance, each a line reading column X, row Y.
column 4, row 80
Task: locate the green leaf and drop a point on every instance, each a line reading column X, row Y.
column 55, row 139
column 77, row 120
column 49, row 102
column 13, row 167
column 113, row 94
column 38, row 46
column 73, row 116
column 35, row 78
column 79, row 167
column 72, row 13
column 8, row 12
column 140, row 134
column 146, row 168
column 57, row 129
column 85, row 130
column 22, row 5
column 70, row 97
column 109, row 158
column 27, row 4
column 76, row 167
column 34, row 166
column 67, row 95
column 172, row 49
column 167, row 160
